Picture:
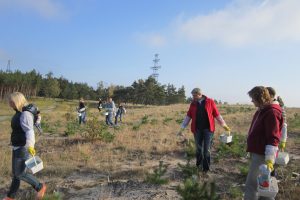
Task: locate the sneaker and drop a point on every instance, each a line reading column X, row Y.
column 8, row 198
column 41, row 193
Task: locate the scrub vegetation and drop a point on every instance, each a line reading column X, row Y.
column 142, row 158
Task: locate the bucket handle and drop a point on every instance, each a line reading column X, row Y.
column 34, row 160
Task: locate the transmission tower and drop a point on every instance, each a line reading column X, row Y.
column 8, row 66
column 155, row 67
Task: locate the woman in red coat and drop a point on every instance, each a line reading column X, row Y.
column 263, row 137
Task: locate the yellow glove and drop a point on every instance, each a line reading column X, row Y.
column 31, row 151
column 226, row 128
column 282, row 146
column 270, row 166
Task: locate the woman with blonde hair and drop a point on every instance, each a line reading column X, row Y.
column 263, row 137
column 22, row 141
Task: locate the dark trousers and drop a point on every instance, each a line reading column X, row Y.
column 82, row 118
column 116, row 118
column 203, row 141
column 19, row 156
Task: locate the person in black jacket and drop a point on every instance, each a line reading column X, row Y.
column 99, row 104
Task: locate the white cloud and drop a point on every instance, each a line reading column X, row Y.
column 245, row 23
column 152, row 39
column 46, row 8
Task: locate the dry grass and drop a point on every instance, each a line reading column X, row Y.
column 133, row 151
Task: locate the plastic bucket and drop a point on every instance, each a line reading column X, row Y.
column 282, row 158
column 224, row 138
column 34, row 164
column 270, row 191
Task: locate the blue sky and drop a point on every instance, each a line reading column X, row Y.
column 225, row 47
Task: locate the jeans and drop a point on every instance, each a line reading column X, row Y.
column 203, row 141
column 19, row 156
column 251, row 181
column 108, row 119
column 82, row 117
column 116, row 118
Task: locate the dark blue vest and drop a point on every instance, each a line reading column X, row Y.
column 18, row 137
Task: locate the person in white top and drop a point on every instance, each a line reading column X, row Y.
column 22, row 141
column 38, row 122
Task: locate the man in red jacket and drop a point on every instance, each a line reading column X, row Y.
column 202, row 112
column 263, row 137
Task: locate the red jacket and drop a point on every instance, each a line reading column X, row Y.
column 212, row 112
column 265, row 129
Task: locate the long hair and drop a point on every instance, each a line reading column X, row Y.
column 260, row 94
column 18, row 99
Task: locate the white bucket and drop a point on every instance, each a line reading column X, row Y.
column 225, row 138
column 282, row 158
column 34, row 164
column 270, row 191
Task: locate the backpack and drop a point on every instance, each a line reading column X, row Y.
column 33, row 110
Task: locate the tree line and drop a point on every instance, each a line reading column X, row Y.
column 33, row 84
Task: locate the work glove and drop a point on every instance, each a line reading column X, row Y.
column 270, row 166
column 226, row 128
column 31, row 151
column 282, row 146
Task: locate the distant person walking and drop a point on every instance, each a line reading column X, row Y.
column 23, row 141
column 263, row 137
column 121, row 110
column 99, row 104
column 81, row 111
column 202, row 112
column 38, row 122
column 110, row 111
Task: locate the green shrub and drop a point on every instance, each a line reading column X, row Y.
column 190, row 149
column 156, row 176
column 167, row 119
column 72, row 128
column 145, row 119
column 153, row 121
column 188, row 170
column 235, row 193
column 192, row 190
column 236, row 149
column 179, row 120
column 244, row 169
column 47, row 127
column 94, row 129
